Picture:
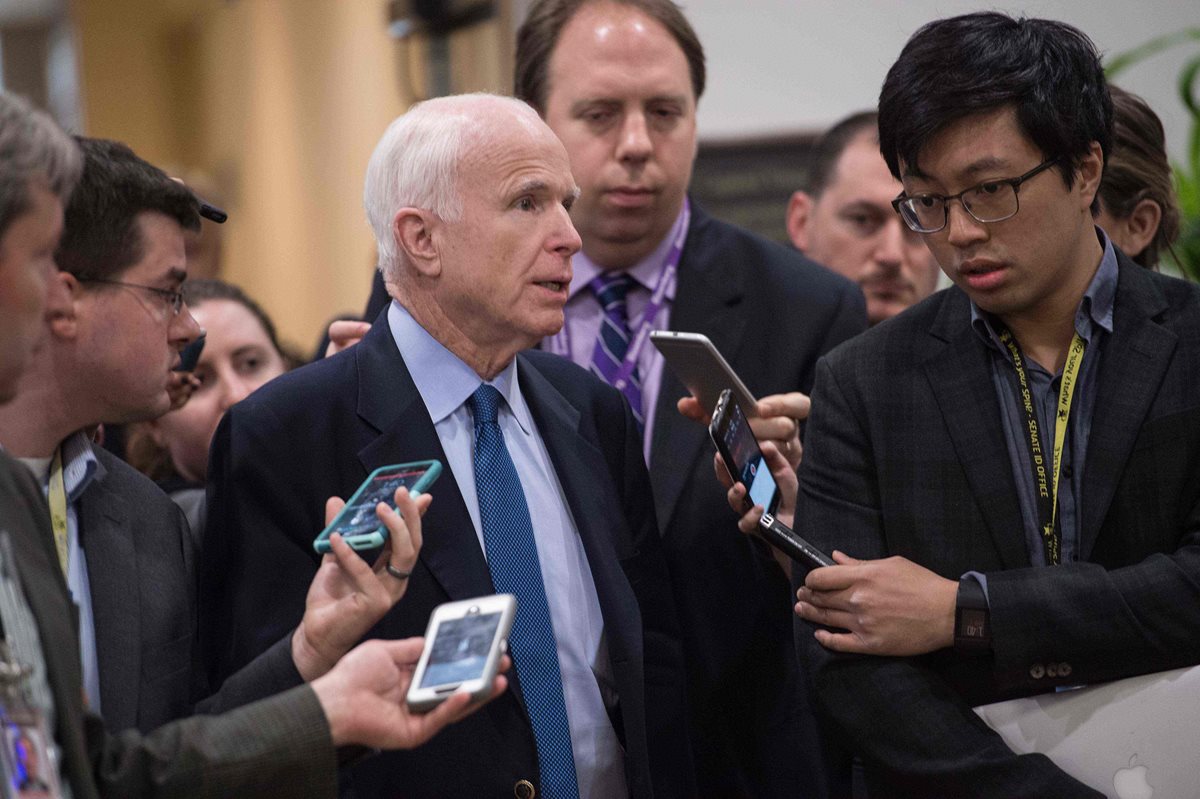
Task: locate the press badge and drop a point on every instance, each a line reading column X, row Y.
column 30, row 770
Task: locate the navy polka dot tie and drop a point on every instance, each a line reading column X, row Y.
column 513, row 561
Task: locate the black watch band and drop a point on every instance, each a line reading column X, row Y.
column 972, row 618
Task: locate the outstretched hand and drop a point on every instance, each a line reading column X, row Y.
column 363, row 697
column 348, row 596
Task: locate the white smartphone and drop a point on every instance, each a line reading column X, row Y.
column 463, row 645
column 698, row 365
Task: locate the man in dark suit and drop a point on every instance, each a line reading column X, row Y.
column 619, row 84
column 124, row 546
column 1014, row 460
column 468, row 197
column 279, row 746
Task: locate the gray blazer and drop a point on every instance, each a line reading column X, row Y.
column 905, row 455
column 141, row 568
column 271, row 748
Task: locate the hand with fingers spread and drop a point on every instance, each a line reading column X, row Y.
column 348, row 595
column 880, row 607
column 363, row 697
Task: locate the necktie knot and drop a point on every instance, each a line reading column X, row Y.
column 611, row 288
column 485, row 404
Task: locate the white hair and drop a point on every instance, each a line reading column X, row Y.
column 415, row 164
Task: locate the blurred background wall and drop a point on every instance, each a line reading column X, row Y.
column 271, row 107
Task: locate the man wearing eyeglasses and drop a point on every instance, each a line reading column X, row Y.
column 1010, row 466
column 123, row 545
column 108, row 358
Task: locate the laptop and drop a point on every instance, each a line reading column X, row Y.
column 1137, row 738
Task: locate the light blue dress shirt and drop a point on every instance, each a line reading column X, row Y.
column 445, row 383
column 79, row 468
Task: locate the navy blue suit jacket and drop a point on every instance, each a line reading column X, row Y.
column 319, row 431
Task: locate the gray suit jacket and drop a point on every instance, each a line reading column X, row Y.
column 141, row 568
column 905, row 455
column 276, row 747
column 142, row 571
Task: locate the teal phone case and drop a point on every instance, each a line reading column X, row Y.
column 357, row 522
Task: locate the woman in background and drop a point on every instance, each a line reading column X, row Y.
column 1138, row 209
column 240, row 354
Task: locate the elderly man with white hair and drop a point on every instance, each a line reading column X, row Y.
column 545, row 493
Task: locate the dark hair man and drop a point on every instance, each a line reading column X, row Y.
column 618, row 82
column 282, row 745
column 991, row 564
column 545, row 494
column 107, row 358
column 843, row 218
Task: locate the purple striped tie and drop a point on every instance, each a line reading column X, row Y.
column 610, row 289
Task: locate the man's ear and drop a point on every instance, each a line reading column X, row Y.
column 63, row 295
column 1091, row 169
column 799, row 212
column 415, row 232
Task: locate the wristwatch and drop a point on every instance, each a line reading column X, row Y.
column 972, row 622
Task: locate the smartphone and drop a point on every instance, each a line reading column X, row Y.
column 698, row 365
column 731, row 433
column 791, row 544
column 189, row 356
column 745, row 464
column 463, row 645
column 357, row 523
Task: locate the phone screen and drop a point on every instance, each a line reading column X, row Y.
column 748, row 465
column 359, row 516
column 460, row 649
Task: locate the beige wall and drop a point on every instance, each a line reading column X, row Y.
column 280, row 102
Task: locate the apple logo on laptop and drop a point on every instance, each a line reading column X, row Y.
column 1131, row 783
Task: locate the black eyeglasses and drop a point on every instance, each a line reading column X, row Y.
column 991, row 201
column 173, row 299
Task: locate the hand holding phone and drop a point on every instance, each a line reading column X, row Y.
column 357, row 522
column 730, row 432
column 348, row 595
column 463, row 646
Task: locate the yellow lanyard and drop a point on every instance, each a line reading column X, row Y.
column 1047, row 498
column 58, row 508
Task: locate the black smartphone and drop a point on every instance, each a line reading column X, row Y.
column 189, row 356
column 733, row 438
column 745, row 464
column 791, row 544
